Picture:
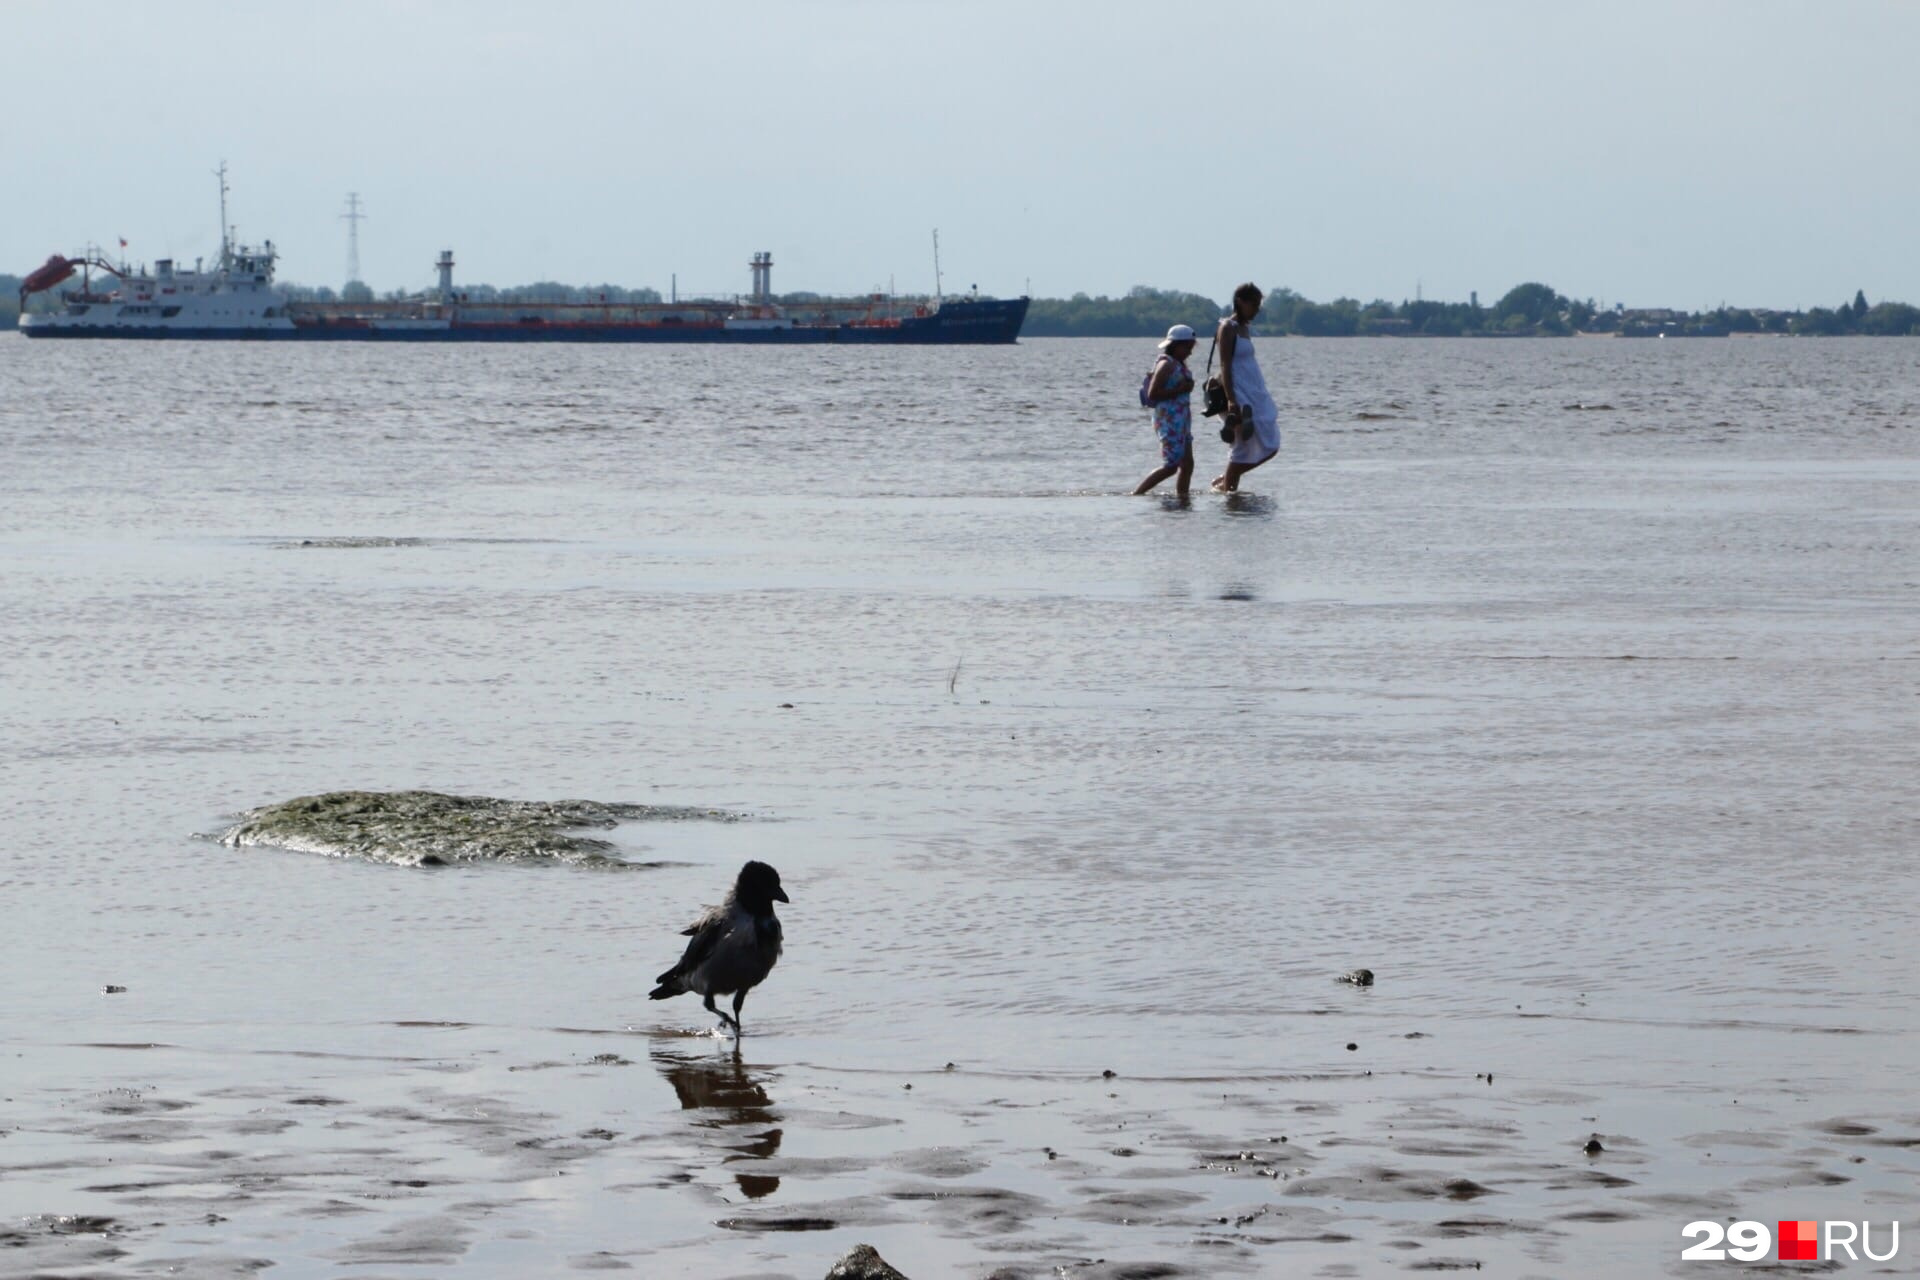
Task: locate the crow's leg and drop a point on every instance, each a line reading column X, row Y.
column 720, row 1014
column 739, row 998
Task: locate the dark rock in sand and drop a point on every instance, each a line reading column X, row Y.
column 427, row 828
column 863, row 1263
column 1358, row 977
column 111, row 990
column 1593, row 1147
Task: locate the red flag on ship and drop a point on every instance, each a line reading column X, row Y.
column 123, row 242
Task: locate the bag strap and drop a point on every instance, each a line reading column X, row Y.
column 1210, row 346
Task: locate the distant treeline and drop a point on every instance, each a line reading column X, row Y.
column 1526, row 310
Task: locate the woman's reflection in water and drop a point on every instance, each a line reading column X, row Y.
column 720, row 1087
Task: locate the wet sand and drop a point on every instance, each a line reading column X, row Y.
column 509, row 1150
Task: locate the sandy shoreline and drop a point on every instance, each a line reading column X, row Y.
column 516, row 1151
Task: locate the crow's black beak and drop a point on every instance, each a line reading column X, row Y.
column 780, row 895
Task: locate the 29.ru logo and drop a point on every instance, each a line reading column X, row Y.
column 1800, row 1241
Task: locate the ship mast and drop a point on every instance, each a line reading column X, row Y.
column 936, row 265
column 225, row 247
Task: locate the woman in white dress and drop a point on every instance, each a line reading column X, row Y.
column 1250, row 409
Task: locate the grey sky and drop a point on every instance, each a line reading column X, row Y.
column 1685, row 152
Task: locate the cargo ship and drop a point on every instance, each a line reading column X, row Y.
column 236, row 298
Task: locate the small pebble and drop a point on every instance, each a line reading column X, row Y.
column 1106, row 1075
column 113, row 991
column 1351, row 1046
column 1358, row 977
column 1593, row 1147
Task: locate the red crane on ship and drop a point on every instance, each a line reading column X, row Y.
column 58, row 269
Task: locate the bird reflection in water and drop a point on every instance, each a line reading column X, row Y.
column 728, row 1097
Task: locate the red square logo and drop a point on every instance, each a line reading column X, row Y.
column 1799, row 1242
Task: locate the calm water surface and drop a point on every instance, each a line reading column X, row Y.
column 1569, row 686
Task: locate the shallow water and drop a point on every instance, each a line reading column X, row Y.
column 1569, row 686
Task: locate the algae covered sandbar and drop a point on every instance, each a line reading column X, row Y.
column 429, row 828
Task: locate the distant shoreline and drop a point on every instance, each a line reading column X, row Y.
column 1531, row 310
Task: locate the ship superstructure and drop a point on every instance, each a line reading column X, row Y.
column 236, row 298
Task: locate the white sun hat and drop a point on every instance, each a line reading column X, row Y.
column 1179, row 333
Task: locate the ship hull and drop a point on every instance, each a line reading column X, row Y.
column 957, row 323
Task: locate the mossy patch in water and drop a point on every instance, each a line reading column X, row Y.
column 428, row 828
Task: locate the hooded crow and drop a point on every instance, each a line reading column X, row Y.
column 734, row 945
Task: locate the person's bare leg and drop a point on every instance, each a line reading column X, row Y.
column 1154, row 479
column 1186, row 474
column 1230, row 482
column 1241, row 468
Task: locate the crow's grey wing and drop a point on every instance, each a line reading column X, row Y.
column 706, row 933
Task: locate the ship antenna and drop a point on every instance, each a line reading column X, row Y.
column 221, row 173
column 936, row 265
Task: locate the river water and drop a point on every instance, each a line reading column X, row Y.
column 1570, row 687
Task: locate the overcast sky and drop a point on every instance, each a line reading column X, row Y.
column 1678, row 152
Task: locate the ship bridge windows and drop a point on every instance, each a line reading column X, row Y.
column 168, row 313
